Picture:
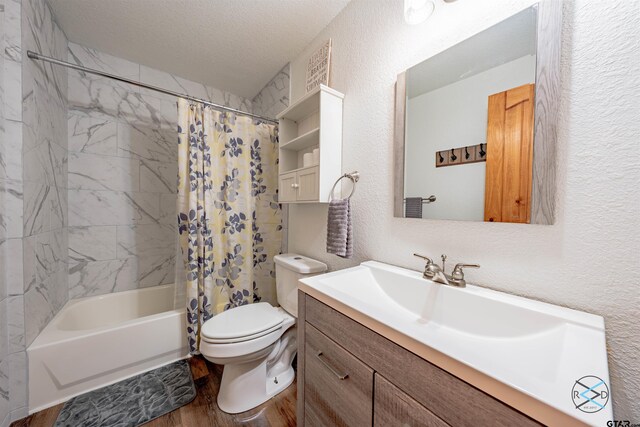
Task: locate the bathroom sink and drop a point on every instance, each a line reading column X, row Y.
column 469, row 311
column 536, row 348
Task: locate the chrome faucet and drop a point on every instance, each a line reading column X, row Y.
column 432, row 271
column 436, row 274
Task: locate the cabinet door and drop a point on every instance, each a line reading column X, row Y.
column 287, row 187
column 393, row 407
column 338, row 388
column 308, row 180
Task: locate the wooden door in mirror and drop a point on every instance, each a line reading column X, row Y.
column 509, row 156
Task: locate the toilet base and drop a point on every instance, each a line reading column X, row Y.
column 277, row 384
column 242, row 389
column 247, row 385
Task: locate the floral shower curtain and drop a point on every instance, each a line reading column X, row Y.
column 229, row 220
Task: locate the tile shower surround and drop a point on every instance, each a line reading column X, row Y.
column 121, row 209
column 122, row 174
column 7, row 155
column 33, row 195
column 122, row 169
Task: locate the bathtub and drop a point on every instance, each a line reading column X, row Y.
column 96, row 341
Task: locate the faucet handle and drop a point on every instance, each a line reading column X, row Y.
column 463, row 265
column 426, row 258
column 430, row 269
column 457, row 275
column 457, row 272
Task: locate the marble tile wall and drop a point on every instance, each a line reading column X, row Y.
column 11, row 119
column 4, row 339
column 274, row 96
column 122, row 173
column 11, row 306
column 32, row 191
column 44, row 136
column 269, row 102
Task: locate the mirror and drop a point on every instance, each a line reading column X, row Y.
column 474, row 134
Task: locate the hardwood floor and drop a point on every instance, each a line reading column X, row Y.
column 203, row 411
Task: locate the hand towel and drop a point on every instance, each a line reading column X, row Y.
column 340, row 229
column 413, row 207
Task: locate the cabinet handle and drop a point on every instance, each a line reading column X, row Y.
column 340, row 376
column 294, row 186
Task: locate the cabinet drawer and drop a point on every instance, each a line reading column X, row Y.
column 393, row 407
column 448, row 397
column 338, row 387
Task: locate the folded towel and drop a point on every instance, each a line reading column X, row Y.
column 340, row 229
column 413, row 207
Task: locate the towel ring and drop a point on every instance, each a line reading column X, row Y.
column 353, row 176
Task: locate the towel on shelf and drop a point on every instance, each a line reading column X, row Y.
column 340, row 229
column 413, row 207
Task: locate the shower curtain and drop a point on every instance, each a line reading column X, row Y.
column 229, row 220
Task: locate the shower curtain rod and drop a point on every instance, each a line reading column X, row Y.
column 37, row 56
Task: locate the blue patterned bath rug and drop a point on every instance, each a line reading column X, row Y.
column 133, row 401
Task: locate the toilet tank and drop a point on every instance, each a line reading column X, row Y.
column 289, row 269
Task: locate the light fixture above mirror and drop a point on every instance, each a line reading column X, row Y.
column 417, row 11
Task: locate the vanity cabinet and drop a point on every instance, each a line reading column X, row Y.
column 361, row 378
column 314, row 123
column 339, row 387
column 393, row 407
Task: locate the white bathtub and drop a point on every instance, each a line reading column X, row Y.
column 97, row 341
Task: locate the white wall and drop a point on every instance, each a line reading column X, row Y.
column 449, row 117
column 589, row 260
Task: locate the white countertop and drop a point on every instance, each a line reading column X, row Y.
column 526, row 353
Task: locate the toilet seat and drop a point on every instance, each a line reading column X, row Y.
column 242, row 323
column 240, row 339
column 218, row 349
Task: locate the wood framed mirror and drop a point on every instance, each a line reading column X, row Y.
column 475, row 125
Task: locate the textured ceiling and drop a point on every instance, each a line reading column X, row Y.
column 233, row 45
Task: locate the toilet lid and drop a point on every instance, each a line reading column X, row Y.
column 243, row 321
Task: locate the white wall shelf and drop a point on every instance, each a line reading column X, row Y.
column 305, row 140
column 313, row 122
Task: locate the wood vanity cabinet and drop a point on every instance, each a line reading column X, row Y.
column 393, row 407
column 348, row 375
column 333, row 397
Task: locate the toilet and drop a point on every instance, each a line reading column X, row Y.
column 256, row 343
